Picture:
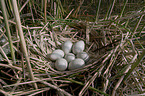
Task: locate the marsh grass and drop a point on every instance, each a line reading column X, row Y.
column 114, row 41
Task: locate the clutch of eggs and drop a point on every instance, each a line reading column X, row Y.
column 65, row 59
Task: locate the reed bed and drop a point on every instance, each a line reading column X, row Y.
column 115, row 43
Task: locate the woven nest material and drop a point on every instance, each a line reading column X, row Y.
column 42, row 42
column 104, row 44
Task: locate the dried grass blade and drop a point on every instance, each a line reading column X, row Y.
column 27, row 92
column 57, row 88
column 41, row 91
column 97, row 13
column 69, row 13
column 90, row 81
column 22, row 40
column 24, row 5
column 5, row 93
column 109, row 11
column 3, row 53
column 94, row 89
column 137, row 24
column 123, row 8
column 11, row 66
column 135, row 64
column 4, row 10
column 45, row 9
column 31, row 11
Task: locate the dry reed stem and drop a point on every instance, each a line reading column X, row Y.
column 4, row 10
column 22, row 40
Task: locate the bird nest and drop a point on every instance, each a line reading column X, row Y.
column 103, row 43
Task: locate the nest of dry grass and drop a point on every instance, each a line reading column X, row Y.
column 115, row 67
column 105, row 44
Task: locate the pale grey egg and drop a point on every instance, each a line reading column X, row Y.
column 69, row 57
column 59, row 52
column 78, row 47
column 77, row 63
column 67, row 46
column 54, row 56
column 61, row 64
column 83, row 55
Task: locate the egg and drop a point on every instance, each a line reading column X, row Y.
column 77, row 63
column 61, row 64
column 78, row 47
column 83, row 55
column 69, row 57
column 54, row 56
column 59, row 52
column 67, row 46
